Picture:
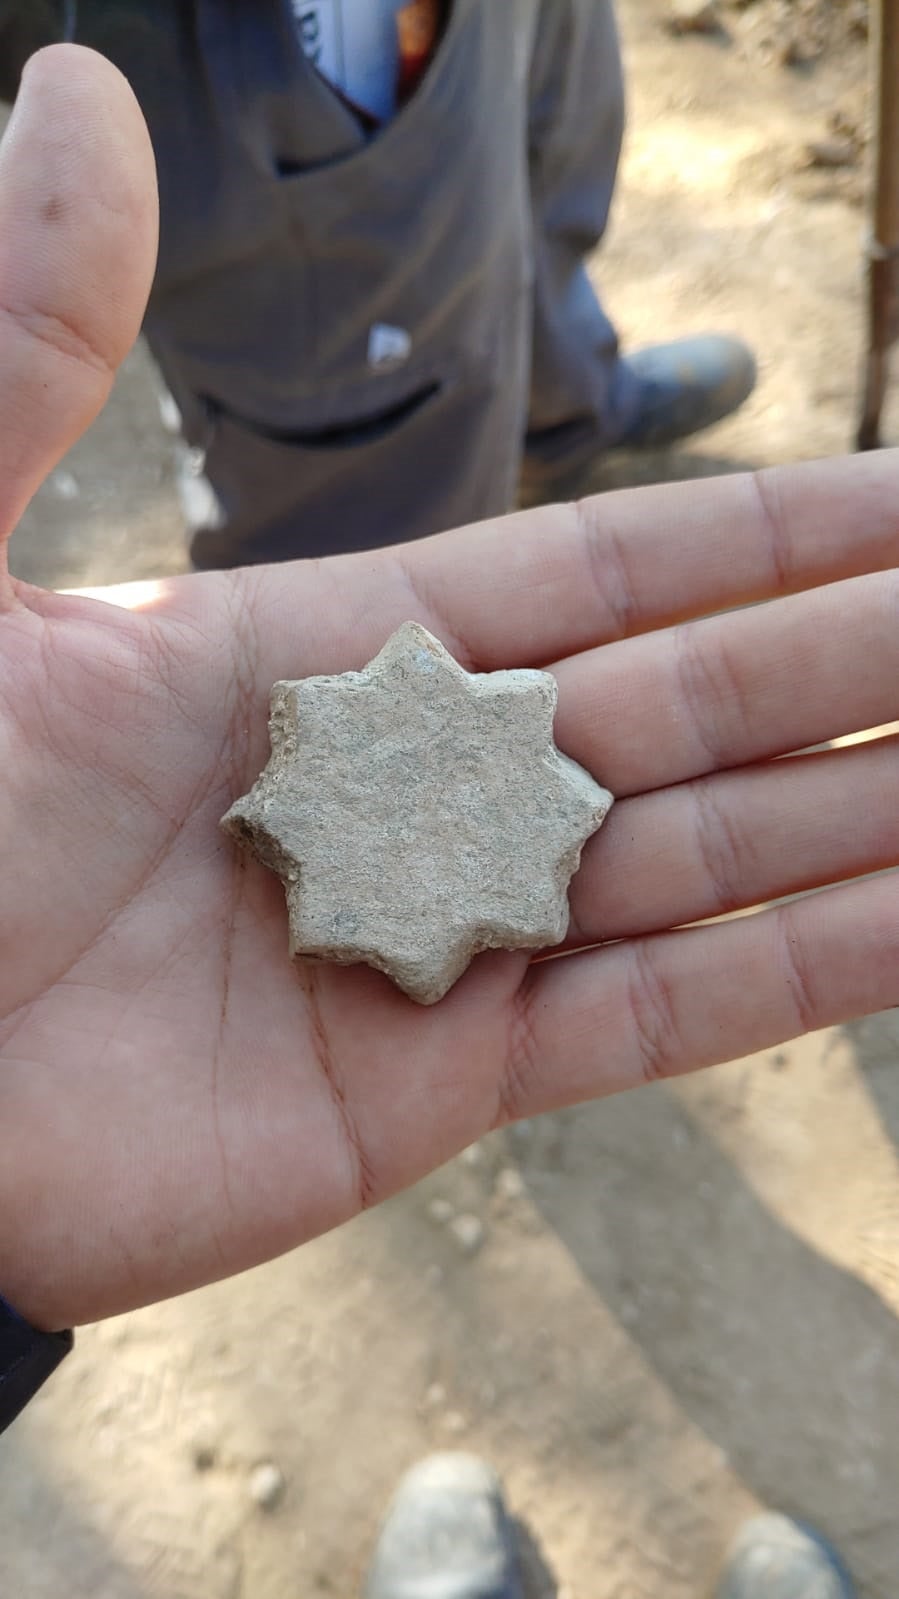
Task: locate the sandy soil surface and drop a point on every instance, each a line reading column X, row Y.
column 685, row 1302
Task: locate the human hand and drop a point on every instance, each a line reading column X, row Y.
column 178, row 1101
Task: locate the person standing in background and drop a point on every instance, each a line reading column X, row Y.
column 371, row 305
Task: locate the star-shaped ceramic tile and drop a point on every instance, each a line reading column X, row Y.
column 418, row 814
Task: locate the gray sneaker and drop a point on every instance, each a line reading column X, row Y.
column 773, row 1557
column 668, row 391
column 685, row 386
column 447, row 1535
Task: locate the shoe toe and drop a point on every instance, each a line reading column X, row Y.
column 688, row 385
column 447, row 1535
column 773, row 1557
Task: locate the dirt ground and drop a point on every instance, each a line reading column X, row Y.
column 686, row 1301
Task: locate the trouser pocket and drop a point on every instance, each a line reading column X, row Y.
column 421, row 465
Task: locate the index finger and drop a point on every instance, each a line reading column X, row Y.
column 533, row 588
column 544, row 584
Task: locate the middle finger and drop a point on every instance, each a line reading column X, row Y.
column 730, row 689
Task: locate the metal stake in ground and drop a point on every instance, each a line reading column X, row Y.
column 883, row 243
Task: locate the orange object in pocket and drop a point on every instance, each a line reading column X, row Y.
column 419, row 25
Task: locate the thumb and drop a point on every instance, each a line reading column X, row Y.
column 78, row 233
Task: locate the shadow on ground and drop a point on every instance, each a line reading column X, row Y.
column 787, row 1362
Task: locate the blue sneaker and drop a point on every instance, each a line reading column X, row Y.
column 667, row 391
column 685, row 386
column 447, row 1535
column 773, row 1557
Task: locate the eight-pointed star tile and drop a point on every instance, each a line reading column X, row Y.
column 418, row 813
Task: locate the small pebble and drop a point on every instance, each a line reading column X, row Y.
column 204, row 1443
column 796, row 52
column 510, row 1183
column 472, row 1156
column 454, row 1422
column 435, row 1396
column 169, row 413
column 468, row 1231
column 434, row 1274
column 267, row 1485
column 65, row 484
column 830, row 153
column 440, row 1211
column 693, row 16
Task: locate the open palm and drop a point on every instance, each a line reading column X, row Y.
column 179, row 1101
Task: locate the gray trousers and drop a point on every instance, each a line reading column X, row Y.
column 362, row 335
